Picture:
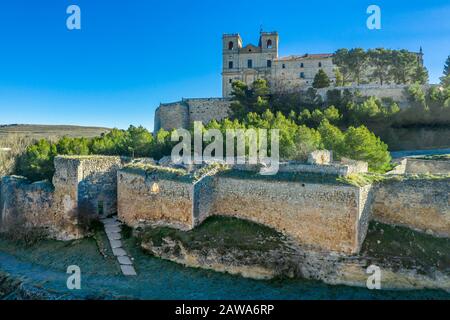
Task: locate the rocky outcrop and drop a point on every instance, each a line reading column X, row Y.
column 293, row 261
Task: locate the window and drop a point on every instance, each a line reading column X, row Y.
column 302, row 75
column 302, row 65
column 249, row 63
column 320, row 64
column 269, row 44
column 269, row 63
column 230, row 81
column 283, row 66
column 230, row 45
column 230, row 64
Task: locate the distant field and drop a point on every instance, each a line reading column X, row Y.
column 50, row 131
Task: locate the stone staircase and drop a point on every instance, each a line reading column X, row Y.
column 113, row 231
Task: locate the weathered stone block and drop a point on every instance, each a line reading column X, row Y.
column 320, row 157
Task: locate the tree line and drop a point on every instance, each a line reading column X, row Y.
column 382, row 65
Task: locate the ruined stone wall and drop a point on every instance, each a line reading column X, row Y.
column 24, row 203
column 97, row 187
column 325, row 216
column 79, row 184
column 419, row 204
column 148, row 199
column 418, row 166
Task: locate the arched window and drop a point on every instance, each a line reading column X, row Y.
column 301, row 65
column 269, row 44
column 320, row 64
column 230, row 45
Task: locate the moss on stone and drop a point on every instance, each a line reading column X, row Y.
column 176, row 174
column 364, row 179
column 300, row 177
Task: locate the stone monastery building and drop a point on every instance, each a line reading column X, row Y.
column 250, row 62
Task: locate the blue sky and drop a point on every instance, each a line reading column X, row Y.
column 131, row 55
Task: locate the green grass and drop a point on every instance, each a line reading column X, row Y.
column 364, row 179
column 407, row 248
column 220, row 233
column 175, row 174
column 92, row 254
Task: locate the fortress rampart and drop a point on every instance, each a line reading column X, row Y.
column 84, row 187
column 183, row 113
column 315, row 207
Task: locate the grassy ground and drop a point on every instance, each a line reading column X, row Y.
column 407, row 248
column 286, row 176
column 47, row 131
column 220, row 233
column 93, row 254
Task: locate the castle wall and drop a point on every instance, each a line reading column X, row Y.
column 183, row 114
column 97, row 187
column 171, row 204
column 421, row 166
column 25, row 204
column 329, row 217
column 419, row 204
column 205, row 110
column 79, row 184
column 172, row 116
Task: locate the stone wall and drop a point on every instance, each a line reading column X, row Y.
column 324, row 216
column 25, row 203
column 171, row 115
column 83, row 188
column 419, row 204
column 418, row 166
column 183, row 113
column 144, row 199
column 205, row 110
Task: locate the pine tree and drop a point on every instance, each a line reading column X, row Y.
column 447, row 67
column 445, row 79
column 321, row 80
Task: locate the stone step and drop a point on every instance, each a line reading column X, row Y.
column 112, row 229
column 128, row 270
column 119, row 252
column 124, row 260
column 115, row 244
column 113, row 236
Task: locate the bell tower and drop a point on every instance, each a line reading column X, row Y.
column 231, row 44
